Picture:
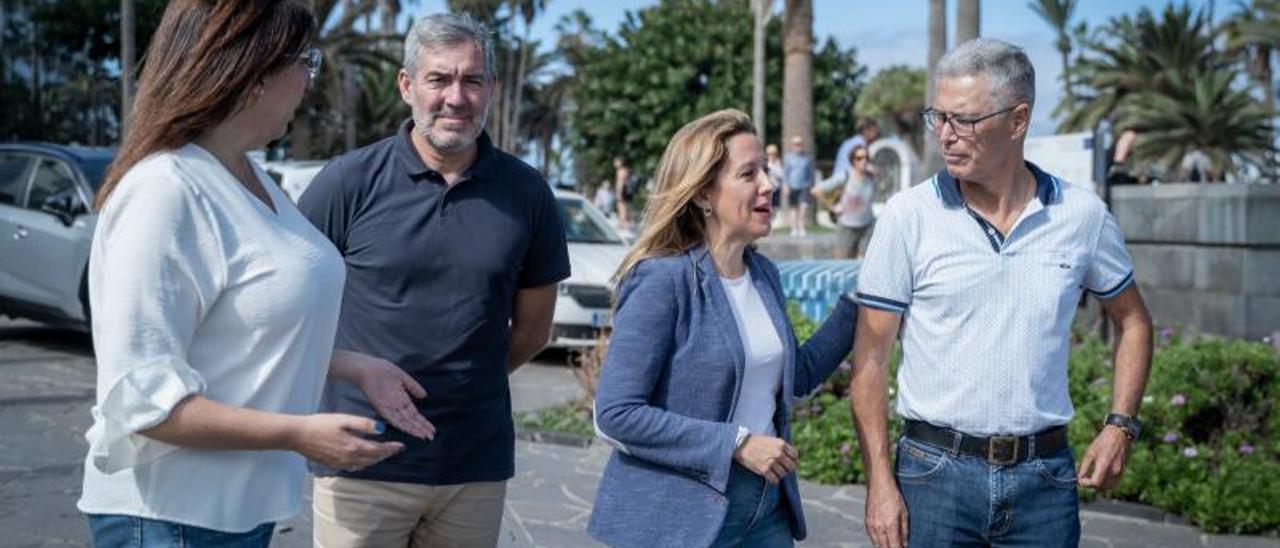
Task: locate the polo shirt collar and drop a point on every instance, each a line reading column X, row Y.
column 1048, row 187
column 486, row 155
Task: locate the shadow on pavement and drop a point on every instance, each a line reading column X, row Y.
column 57, row 339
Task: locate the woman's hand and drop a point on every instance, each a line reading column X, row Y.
column 389, row 389
column 334, row 440
column 768, row 457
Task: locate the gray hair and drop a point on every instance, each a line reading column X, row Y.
column 446, row 29
column 1010, row 77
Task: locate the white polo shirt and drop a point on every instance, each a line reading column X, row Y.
column 987, row 317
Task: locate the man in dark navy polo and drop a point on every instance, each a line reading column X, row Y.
column 453, row 251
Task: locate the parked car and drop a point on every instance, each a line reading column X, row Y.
column 595, row 252
column 46, row 226
column 293, row 176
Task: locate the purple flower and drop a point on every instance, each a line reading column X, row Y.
column 1170, row 437
column 1246, row 449
column 1190, row 452
column 1166, row 333
column 1178, row 400
column 846, row 448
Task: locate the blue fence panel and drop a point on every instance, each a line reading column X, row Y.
column 816, row 285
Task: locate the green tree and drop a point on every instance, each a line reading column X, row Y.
column 895, row 97
column 1199, row 112
column 671, row 63
column 1163, row 77
column 1058, row 14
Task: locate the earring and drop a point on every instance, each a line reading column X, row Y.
column 706, row 211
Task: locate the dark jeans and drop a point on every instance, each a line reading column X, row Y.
column 960, row 500
column 756, row 518
column 116, row 531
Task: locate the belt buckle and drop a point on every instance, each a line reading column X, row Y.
column 1002, row 450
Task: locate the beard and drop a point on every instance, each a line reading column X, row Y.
column 424, row 123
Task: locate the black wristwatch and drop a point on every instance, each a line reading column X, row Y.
column 1130, row 425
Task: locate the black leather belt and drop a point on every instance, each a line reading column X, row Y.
column 1000, row 450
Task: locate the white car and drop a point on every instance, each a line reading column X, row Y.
column 585, row 303
column 293, row 176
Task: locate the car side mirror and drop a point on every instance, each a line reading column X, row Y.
column 64, row 206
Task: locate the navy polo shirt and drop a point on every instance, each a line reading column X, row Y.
column 432, row 272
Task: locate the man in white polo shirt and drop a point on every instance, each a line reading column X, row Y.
column 982, row 268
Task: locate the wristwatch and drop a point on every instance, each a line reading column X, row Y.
column 1130, row 425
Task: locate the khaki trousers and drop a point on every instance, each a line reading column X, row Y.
column 351, row 513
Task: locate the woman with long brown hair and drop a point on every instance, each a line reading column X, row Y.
column 214, row 300
column 703, row 366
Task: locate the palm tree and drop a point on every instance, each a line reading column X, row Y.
column 937, row 47
column 1135, row 54
column 1163, row 78
column 528, row 10
column 128, row 20
column 1199, row 111
column 1254, row 34
column 797, row 80
column 968, row 20
column 761, row 10
column 1058, row 14
column 325, row 121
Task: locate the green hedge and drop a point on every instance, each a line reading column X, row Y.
column 1210, row 449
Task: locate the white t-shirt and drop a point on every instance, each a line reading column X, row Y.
column 758, row 396
column 197, row 287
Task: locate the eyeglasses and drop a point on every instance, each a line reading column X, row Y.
column 964, row 127
column 311, row 59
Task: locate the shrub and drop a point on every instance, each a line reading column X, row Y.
column 1210, row 448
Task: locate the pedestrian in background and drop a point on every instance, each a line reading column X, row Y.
column 214, row 301
column 868, row 134
column 800, row 175
column 773, row 161
column 703, row 367
column 853, row 212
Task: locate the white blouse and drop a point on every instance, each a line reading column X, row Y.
column 762, row 348
column 197, row 287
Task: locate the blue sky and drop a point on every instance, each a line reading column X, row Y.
column 894, row 31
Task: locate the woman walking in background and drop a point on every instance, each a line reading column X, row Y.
column 703, row 366
column 214, row 301
column 857, row 190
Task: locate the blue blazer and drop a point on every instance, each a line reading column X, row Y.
column 668, row 388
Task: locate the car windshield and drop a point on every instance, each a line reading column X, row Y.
column 94, row 170
column 584, row 224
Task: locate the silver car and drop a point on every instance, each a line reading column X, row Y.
column 46, row 226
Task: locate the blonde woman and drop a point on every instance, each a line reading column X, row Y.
column 703, row 367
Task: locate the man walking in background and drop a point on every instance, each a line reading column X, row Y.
column 798, row 167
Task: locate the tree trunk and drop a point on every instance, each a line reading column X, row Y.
column 968, row 21
column 760, row 11
column 517, row 103
column 797, row 82
column 937, row 46
column 127, row 57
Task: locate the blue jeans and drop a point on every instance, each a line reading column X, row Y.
column 960, row 500
column 117, row 531
column 756, row 517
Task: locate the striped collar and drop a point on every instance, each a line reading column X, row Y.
column 1048, row 187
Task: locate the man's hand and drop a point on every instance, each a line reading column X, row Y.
column 1103, row 463
column 769, row 457
column 389, row 389
column 886, row 515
